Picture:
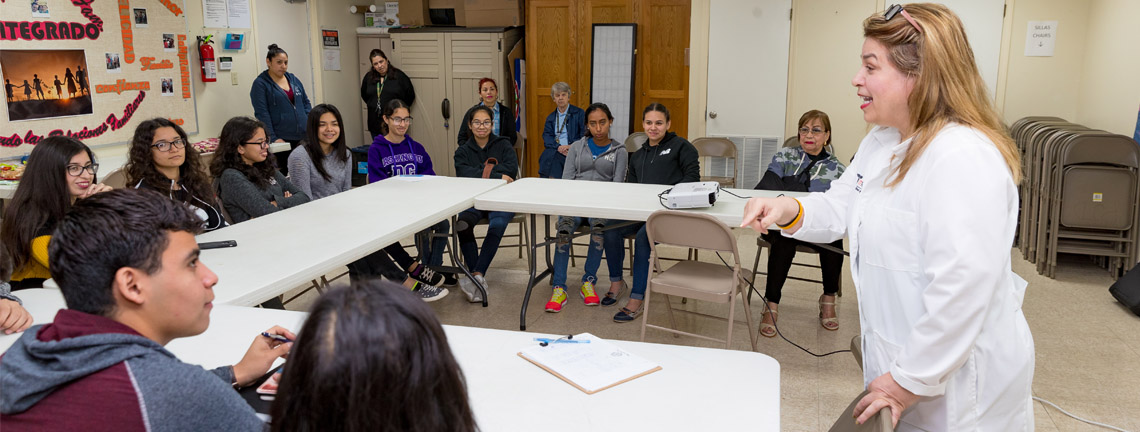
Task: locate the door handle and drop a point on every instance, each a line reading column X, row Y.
column 712, row 114
column 446, row 108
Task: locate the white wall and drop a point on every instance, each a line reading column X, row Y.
column 826, row 42
column 219, row 101
column 341, row 88
column 1110, row 78
column 1044, row 86
column 1092, row 78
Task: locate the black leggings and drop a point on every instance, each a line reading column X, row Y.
column 780, row 261
column 380, row 263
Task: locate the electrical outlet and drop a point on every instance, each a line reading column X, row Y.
column 233, row 78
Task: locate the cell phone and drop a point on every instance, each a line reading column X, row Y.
column 218, row 244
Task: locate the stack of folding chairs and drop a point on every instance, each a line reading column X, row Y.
column 1079, row 194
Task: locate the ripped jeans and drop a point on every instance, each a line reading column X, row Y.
column 566, row 226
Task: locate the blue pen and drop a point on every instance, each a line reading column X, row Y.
column 563, row 340
column 277, row 338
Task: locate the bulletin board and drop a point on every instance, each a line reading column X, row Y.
column 92, row 69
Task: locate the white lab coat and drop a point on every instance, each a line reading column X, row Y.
column 939, row 306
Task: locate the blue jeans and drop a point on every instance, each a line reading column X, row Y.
column 593, row 256
column 478, row 261
column 615, row 256
column 431, row 252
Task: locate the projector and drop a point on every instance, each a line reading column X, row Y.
column 692, row 195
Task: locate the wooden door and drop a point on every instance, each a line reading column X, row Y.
column 422, row 57
column 552, row 46
column 663, row 70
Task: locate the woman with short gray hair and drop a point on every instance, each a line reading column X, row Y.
column 564, row 126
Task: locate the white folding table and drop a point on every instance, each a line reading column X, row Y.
column 696, row 389
column 619, row 201
column 281, row 250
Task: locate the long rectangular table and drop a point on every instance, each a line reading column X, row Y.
column 282, row 250
column 696, row 389
column 621, row 201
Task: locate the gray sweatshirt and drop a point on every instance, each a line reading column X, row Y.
column 87, row 372
column 581, row 164
column 244, row 200
column 304, row 175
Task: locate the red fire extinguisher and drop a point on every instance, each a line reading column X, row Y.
column 206, row 55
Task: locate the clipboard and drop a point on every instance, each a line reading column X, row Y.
column 590, row 367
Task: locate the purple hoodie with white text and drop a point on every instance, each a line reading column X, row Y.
column 389, row 159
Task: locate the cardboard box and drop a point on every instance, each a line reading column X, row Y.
column 391, row 16
column 493, row 13
column 413, row 12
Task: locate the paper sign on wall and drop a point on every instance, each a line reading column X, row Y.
column 330, row 38
column 1041, row 38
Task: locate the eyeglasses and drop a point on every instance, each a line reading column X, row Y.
column 485, row 123
column 76, row 170
column 896, row 9
column 262, row 143
column 813, row 131
column 401, row 120
column 165, row 146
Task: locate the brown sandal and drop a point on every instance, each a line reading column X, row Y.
column 831, row 324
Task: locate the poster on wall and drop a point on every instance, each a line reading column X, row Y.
column 43, row 84
column 92, row 70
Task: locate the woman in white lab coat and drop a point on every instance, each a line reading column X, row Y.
column 930, row 206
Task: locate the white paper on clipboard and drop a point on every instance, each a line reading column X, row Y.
column 591, row 367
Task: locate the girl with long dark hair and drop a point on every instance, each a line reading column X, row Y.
column 320, row 166
column 60, row 170
column 372, row 358
column 247, row 180
column 160, row 160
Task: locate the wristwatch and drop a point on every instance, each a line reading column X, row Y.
column 233, row 381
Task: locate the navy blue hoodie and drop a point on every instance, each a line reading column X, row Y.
column 283, row 119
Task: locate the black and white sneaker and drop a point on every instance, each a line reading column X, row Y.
column 431, row 277
column 429, row 293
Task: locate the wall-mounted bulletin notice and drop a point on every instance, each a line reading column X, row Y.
column 91, row 69
column 1041, row 39
column 225, row 14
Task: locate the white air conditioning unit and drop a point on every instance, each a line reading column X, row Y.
column 755, row 154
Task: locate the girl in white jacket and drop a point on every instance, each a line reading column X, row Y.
column 930, row 206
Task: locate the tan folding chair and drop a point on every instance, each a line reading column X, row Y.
column 761, row 244
column 116, row 179
column 880, row 422
column 695, row 279
column 716, row 147
column 634, row 141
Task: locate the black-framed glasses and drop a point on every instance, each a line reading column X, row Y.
column 812, row 131
column 896, row 9
column 401, row 120
column 485, row 123
column 76, row 170
column 262, row 143
column 165, row 146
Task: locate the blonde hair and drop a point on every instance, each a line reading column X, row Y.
column 947, row 88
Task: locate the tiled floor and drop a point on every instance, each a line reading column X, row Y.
column 1087, row 344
